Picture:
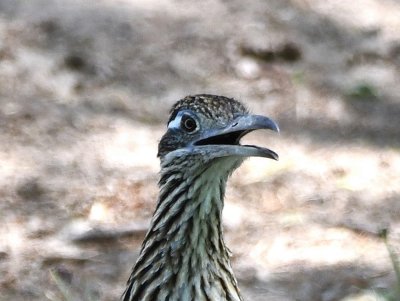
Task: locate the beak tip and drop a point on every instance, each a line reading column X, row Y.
column 276, row 128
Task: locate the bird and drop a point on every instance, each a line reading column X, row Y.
column 183, row 256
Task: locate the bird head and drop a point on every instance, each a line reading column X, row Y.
column 210, row 127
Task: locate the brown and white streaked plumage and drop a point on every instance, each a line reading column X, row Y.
column 183, row 256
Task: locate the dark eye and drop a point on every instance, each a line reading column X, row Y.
column 188, row 124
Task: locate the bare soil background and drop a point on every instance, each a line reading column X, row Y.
column 85, row 89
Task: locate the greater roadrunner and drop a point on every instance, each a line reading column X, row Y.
column 183, row 256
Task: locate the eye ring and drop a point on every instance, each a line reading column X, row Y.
column 188, row 123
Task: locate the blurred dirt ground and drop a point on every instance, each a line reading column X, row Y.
column 85, row 89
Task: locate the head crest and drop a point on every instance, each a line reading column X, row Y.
column 211, row 106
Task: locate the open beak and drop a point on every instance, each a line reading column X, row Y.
column 224, row 141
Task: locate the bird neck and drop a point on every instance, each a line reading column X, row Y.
column 185, row 241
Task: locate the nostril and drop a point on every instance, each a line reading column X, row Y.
column 235, row 124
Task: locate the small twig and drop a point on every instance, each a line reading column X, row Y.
column 62, row 286
column 394, row 259
column 99, row 233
